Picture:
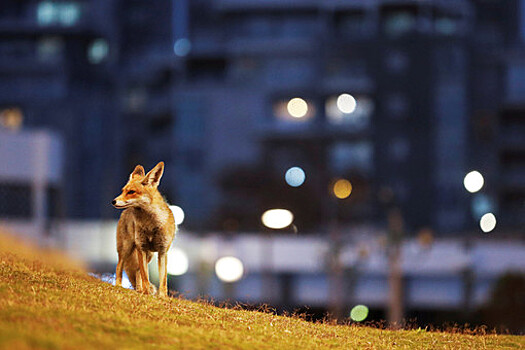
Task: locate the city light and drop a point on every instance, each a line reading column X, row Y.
column 487, row 222
column 297, row 107
column 473, row 181
column 277, row 218
column 229, row 269
column 359, row 313
column 177, row 262
column 182, row 47
column 346, row 103
column 295, row 176
column 11, row 118
column 342, row 188
column 178, row 214
column 98, row 51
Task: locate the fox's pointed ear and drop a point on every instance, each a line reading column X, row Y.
column 138, row 172
column 153, row 177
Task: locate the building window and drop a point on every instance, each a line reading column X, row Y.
column 397, row 106
column 399, row 20
column 446, row 25
column 399, row 149
column 15, row 201
column 65, row 14
column 396, row 62
column 294, row 110
column 50, row 49
column 345, row 109
column 98, row 51
column 345, row 156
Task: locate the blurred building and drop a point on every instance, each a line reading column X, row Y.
column 428, row 78
column 31, row 181
column 401, row 98
column 57, row 66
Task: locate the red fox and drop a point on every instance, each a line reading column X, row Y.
column 145, row 226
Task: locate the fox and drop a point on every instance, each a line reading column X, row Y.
column 145, row 226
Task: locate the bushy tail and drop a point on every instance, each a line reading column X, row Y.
column 131, row 266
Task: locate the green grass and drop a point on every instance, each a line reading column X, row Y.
column 47, row 302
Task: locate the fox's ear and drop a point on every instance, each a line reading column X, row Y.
column 138, row 172
column 153, row 177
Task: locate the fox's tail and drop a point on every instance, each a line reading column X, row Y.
column 131, row 267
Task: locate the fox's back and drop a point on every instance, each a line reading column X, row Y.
column 152, row 228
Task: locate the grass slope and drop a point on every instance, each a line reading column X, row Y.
column 46, row 302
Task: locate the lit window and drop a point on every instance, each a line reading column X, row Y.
column 399, row 22
column 295, row 109
column 49, row 48
column 58, row 13
column 349, row 110
column 446, row 25
column 182, row 47
column 45, row 13
column 11, row 118
column 69, row 14
column 98, row 51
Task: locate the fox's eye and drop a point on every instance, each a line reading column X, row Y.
column 131, row 192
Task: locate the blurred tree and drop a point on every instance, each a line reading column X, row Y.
column 506, row 308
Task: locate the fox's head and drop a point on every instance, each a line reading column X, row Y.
column 140, row 189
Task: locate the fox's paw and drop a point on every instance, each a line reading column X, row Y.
column 152, row 289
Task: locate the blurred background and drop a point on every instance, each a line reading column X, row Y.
column 362, row 158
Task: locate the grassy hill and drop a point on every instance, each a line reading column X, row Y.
column 48, row 302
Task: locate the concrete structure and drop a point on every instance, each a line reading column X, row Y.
column 31, row 180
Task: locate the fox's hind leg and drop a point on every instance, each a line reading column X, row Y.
column 163, row 276
column 120, row 264
column 143, row 267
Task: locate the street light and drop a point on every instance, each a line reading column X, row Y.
column 473, row 181
column 487, row 223
column 277, row 218
column 297, row 107
column 295, row 176
column 229, row 269
column 177, row 262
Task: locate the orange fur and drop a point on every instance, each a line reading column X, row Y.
column 145, row 226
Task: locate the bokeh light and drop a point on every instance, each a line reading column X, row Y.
column 342, row 188
column 359, row 313
column 229, row 269
column 346, row 103
column 295, row 176
column 182, row 47
column 178, row 213
column 11, row 118
column 481, row 204
column 487, row 222
column 98, row 51
column 297, row 107
column 277, row 218
column 473, row 181
column 178, row 263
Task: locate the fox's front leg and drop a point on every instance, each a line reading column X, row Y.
column 143, row 269
column 163, row 276
column 118, row 273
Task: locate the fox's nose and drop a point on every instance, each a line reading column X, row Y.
column 114, row 202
